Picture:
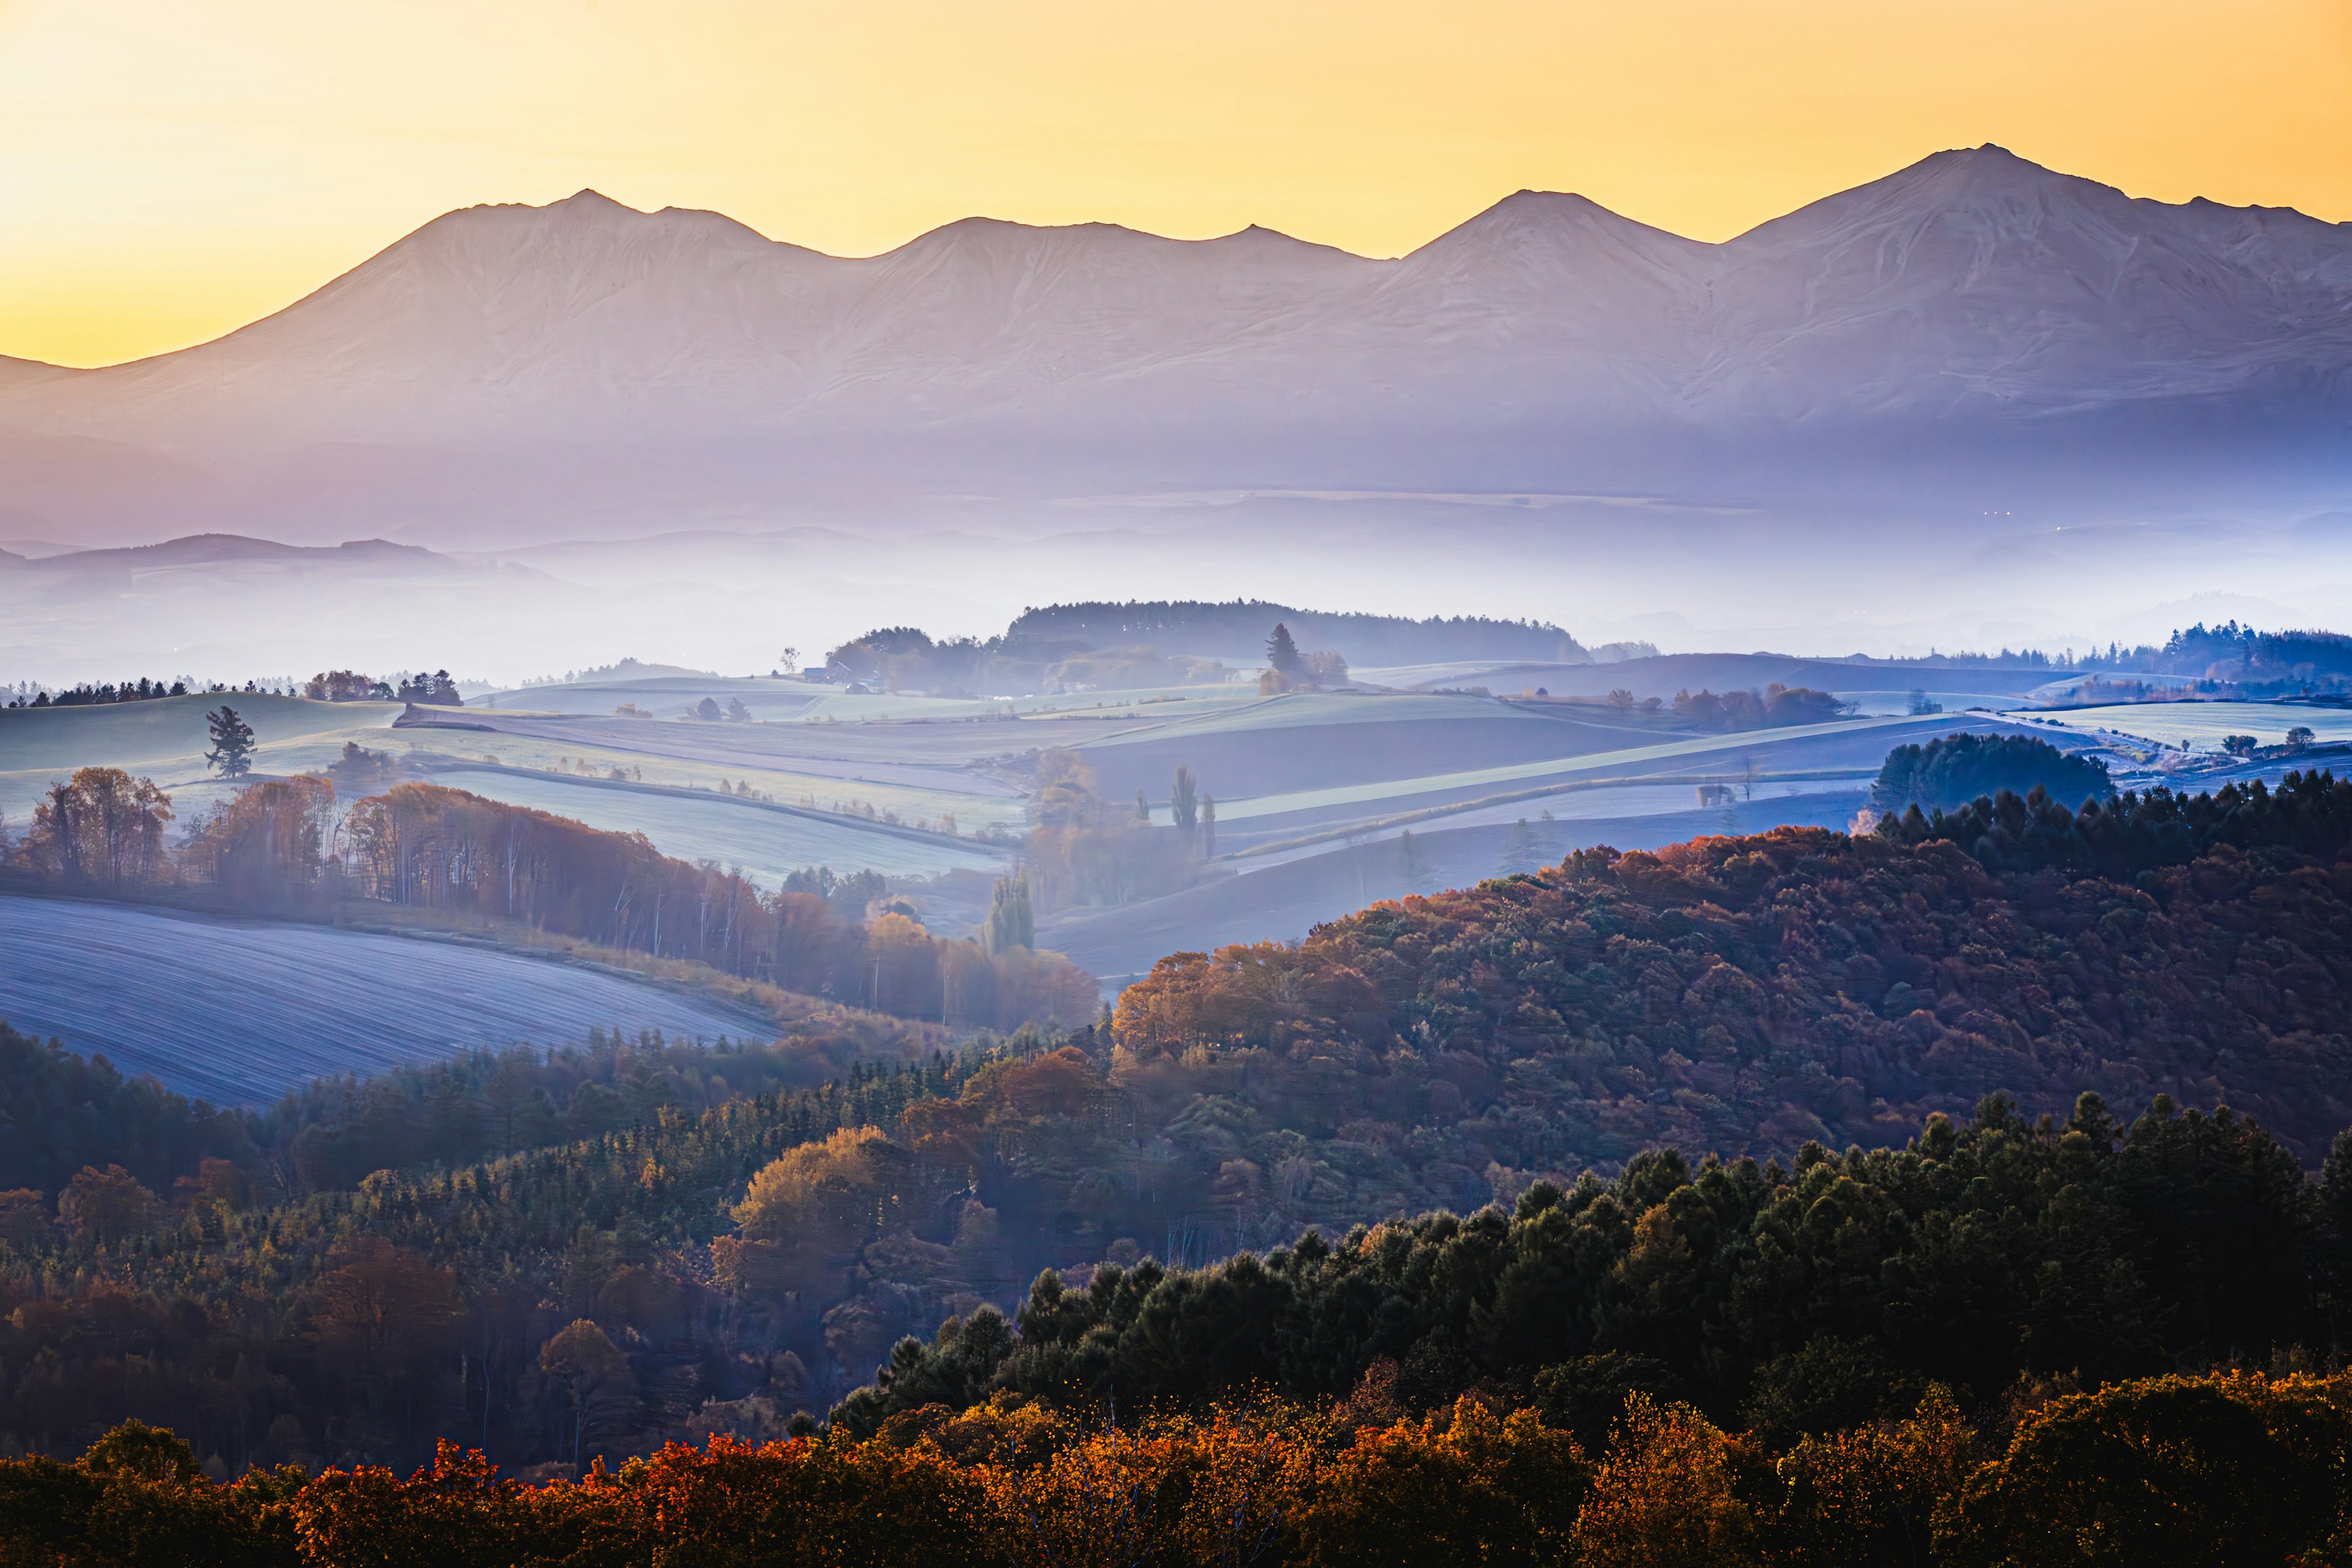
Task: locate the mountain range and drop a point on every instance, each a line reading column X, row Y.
column 1972, row 328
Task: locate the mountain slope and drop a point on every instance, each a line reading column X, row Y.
column 1977, row 276
column 505, row 358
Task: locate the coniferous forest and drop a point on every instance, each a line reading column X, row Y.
column 1967, row 1191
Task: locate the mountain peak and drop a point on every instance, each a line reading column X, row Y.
column 1558, row 223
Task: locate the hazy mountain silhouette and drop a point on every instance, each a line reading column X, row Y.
column 516, row 368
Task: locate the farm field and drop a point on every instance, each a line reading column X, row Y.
column 766, row 842
column 826, row 756
column 1294, row 776
column 1676, row 751
column 1792, row 762
column 1955, row 684
column 2201, row 725
column 239, row 1011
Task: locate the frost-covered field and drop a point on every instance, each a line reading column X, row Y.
column 765, row 843
column 2201, row 725
column 238, row 1012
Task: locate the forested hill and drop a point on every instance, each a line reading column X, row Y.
column 1752, row 993
column 1198, row 628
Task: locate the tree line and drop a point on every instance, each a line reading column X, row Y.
column 436, row 689
column 1242, row 624
column 327, row 686
column 1988, row 1257
column 1953, row 769
column 278, row 846
column 1776, row 705
column 2219, row 1468
column 89, row 695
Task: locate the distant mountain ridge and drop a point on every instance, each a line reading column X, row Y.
column 1970, row 308
column 221, row 549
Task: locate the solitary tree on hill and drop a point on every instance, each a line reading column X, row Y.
column 232, row 752
column 1281, row 652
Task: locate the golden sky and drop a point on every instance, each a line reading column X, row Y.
column 170, row 170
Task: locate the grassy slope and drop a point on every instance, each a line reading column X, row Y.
column 166, row 738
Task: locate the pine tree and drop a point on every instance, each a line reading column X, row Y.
column 1208, row 826
column 1281, row 652
column 232, row 752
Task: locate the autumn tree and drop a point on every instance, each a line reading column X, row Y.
column 268, row 839
column 1067, row 791
column 2224, row 1469
column 1461, row 1484
column 106, row 1207
column 582, row 1362
column 1870, row 1495
column 101, row 825
column 806, row 1213
column 385, row 1316
column 1666, row 1495
column 341, row 685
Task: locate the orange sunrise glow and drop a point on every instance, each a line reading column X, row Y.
column 174, row 171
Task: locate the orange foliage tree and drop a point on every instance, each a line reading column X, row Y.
column 2228, row 1469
